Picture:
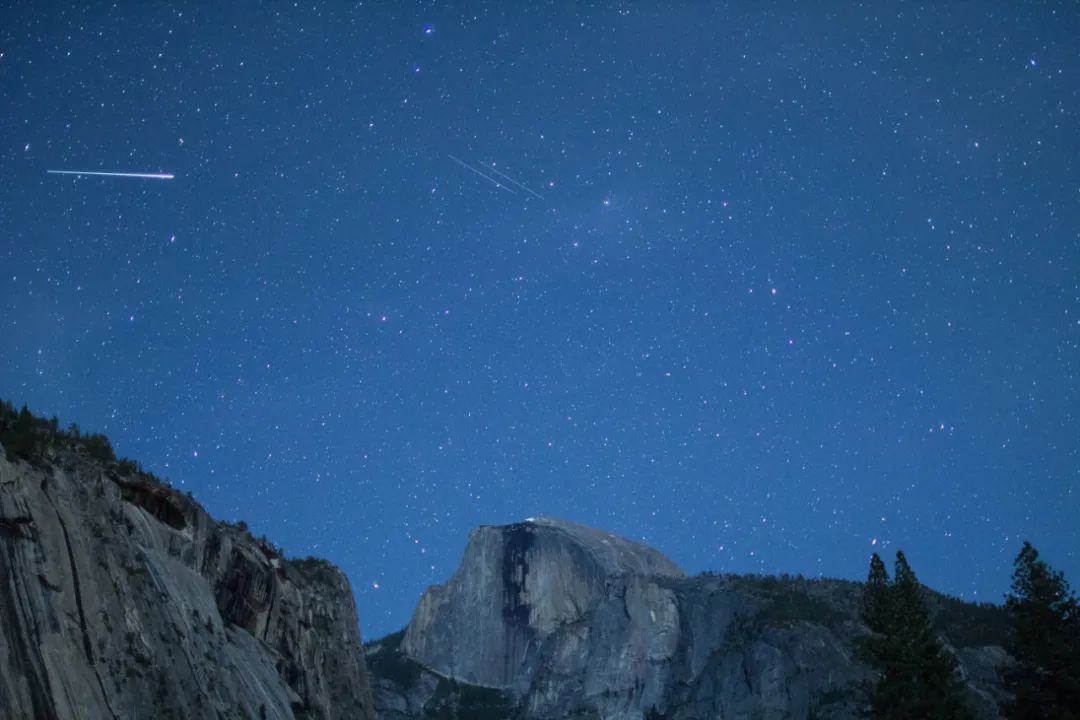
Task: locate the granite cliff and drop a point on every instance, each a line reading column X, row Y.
column 547, row 619
column 122, row 598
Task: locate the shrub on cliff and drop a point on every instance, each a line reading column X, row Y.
column 99, row 448
column 20, row 436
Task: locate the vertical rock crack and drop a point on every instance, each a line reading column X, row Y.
column 87, row 646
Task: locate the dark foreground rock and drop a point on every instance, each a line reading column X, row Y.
column 122, row 598
column 569, row 622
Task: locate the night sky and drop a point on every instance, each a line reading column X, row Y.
column 773, row 285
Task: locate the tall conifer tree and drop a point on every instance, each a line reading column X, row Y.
column 881, row 645
column 934, row 689
column 917, row 675
column 1044, row 640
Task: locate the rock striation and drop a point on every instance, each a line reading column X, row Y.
column 572, row 622
column 121, row 597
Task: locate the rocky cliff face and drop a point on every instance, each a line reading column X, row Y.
column 122, row 598
column 517, row 586
column 574, row 623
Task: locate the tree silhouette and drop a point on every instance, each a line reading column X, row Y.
column 881, row 646
column 916, row 675
column 19, row 439
column 1044, row 639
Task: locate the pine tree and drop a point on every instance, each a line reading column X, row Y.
column 917, row 675
column 1044, row 640
column 876, row 612
column 98, row 447
column 20, row 441
column 934, row 689
column 880, row 647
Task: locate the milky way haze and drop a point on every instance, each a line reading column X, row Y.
column 775, row 284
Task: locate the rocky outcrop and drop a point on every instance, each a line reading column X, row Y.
column 120, row 597
column 404, row 690
column 575, row 623
column 517, row 586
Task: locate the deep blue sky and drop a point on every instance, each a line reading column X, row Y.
column 801, row 279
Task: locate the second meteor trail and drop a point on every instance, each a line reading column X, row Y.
column 495, row 181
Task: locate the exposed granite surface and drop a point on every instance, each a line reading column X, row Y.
column 572, row 622
column 120, row 597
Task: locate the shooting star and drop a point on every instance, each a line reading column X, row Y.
column 510, row 179
column 144, row 176
column 467, row 166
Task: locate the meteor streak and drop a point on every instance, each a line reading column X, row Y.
column 145, row 176
column 469, row 167
column 510, row 179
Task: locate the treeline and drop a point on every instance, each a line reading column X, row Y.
column 28, row 437
column 917, row 675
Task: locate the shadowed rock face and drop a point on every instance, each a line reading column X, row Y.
column 578, row 623
column 120, row 598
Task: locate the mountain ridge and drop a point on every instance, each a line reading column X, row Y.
column 121, row 596
column 530, row 613
column 111, row 577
